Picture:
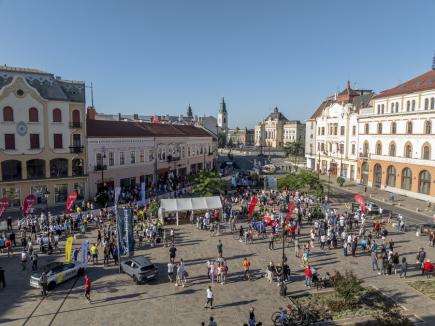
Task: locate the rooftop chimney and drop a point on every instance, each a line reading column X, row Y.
column 91, row 113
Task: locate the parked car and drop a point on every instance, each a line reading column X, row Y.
column 427, row 228
column 139, row 268
column 57, row 273
column 372, row 208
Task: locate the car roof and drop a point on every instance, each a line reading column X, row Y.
column 141, row 260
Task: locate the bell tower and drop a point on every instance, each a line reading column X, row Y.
column 223, row 117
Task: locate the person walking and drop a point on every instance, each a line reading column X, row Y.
column 246, row 266
column 271, row 240
column 170, row 271
column 88, row 288
column 43, row 282
column 403, row 268
column 210, row 297
column 308, row 276
column 94, row 253
column 220, row 248
column 23, row 260
column 34, row 258
column 172, row 253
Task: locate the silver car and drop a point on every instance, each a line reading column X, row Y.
column 372, row 208
column 140, row 269
column 57, row 273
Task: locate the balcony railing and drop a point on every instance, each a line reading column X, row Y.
column 76, row 149
column 364, row 155
column 75, row 124
column 100, row 167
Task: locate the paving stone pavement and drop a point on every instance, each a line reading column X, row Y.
column 118, row 301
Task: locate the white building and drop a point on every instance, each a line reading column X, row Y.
column 223, row 118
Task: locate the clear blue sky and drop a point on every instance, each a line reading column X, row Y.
column 158, row 56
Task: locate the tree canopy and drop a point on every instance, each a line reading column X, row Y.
column 303, row 181
column 208, row 184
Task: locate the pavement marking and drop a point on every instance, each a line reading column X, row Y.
column 31, row 314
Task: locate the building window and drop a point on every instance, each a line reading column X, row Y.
column 33, row 115
column 379, row 128
column 378, row 148
column 406, row 179
column 121, row 158
column 34, row 141
column 366, row 129
column 393, row 128
column 8, row 114
column 353, row 130
column 323, row 131
column 366, row 149
column 432, row 103
column 424, row 180
column 391, row 176
column 132, row 157
column 35, row 169
column 111, row 159
column 59, row 167
column 60, row 193
column 408, row 106
column 9, row 141
column 426, row 104
column 397, row 107
column 425, row 152
column 392, row 149
column 353, row 149
column 151, row 155
column 383, row 108
column 379, row 109
column 427, row 127
column 409, row 127
column 392, row 107
column 342, row 130
column 57, row 140
column 408, row 150
column 142, row 156
column 57, row 115
column 413, row 105
column 11, row 170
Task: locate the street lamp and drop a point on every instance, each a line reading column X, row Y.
column 283, row 288
column 46, row 194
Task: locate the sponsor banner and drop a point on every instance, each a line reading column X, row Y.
column 71, row 199
column 361, row 201
column 4, row 204
column 125, row 231
column 85, row 248
column 117, row 193
column 142, row 193
column 252, row 206
column 68, row 249
column 28, row 203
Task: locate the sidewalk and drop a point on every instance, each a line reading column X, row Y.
column 404, row 202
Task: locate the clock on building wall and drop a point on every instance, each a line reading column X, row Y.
column 21, row 128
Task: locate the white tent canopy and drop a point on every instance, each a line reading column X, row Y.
column 177, row 205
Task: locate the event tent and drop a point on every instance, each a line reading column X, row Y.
column 177, row 205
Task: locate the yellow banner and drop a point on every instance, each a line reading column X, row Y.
column 68, row 249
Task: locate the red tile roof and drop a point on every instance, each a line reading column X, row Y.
column 107, row 129
column 320, row 109
column 421, row 83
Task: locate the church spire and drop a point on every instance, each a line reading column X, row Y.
column 189, row 112
column 223, row 106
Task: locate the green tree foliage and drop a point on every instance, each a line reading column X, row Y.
column 340, row 181
column 154, row 208
column 348, row 288
column 302, row 181
column 295, row 149
column 208, row 184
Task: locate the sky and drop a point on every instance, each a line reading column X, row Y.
column 157, row 57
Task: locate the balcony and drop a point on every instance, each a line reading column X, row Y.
column 364, row 156
column 100, row 167
column 171, row 158
column 75, row 125
column 76, row 149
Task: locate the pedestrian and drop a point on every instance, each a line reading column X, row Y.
column 170, row 271
column 88, row 288
column 34, row 258
column 2, row 277
column 246, row 266
column 271, row 240
column 220, row 248
column 251, row 321
column 212, row 322
column 421, row 256
column 308, row 276
column 172, row 253
column 43, row 282
column 374, row 259
column 210, row 297
column 23, row 260
column 403, row 267
column 94, row 253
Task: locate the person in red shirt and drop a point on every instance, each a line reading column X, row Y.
column 428, row 268
column 88, row 288
column 308, row 276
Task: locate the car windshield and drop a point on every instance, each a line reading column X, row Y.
column 147, row 268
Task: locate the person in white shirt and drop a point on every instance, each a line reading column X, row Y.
column 210, row 297
column 170, row 271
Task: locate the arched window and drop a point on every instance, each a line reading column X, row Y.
column 11, row 170
column 409, row 127
column 408, row 150
column 366, row 149
column 59, row 167
column 428, row 127
column 391, row 176
column 426, row 104
column 379, row 128
column 378, row 148
column 379, row 109
column 392, row 149
column 8, row 114
column 424, row 182
column 33, row 115
column 397, row 107
column 392, row 107
column 406, row 179
column 413, row 105
column 432, row 103
column 393, row 128
column 35, row 169
column 408, row 106
column 57, row 115
column 425, row 152
column 383, row 108
column 366, row 128
column 76, row 116
column 377, row 175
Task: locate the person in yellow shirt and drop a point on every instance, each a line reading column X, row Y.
column 94, row 253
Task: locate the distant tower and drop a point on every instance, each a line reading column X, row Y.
column 223, row 117
column 189, row 112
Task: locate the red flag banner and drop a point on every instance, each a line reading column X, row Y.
column 361, row 201
column 291, row 207
column 4, row 204
column 71, row 199
column 252, row 206
column 28, row 203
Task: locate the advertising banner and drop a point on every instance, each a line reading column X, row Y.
column 68, row 249
column 28, row 203
column 117, row 193
column 252, row 206
column 361, row 201
column 70, row 201
column 142, row 193
column 4, row 204
column 125, row 231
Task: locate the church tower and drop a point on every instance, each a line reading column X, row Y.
column 223, row 118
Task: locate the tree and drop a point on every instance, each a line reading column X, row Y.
column 208, row 184
column 221, row 140
column 303, row 181
column 295, row 150
column 154, row 208
column 230, row 143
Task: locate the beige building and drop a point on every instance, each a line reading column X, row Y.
column 276, row 131
column 42, row 136
column 241, row 136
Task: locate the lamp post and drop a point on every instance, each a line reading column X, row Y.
column 283, row 288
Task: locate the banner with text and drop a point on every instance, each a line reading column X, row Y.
column 125, row 231
column 68, row 249
column 4, row 204
column 28, row 203
column 70, row 201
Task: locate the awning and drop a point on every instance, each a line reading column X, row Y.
column 190, row 204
